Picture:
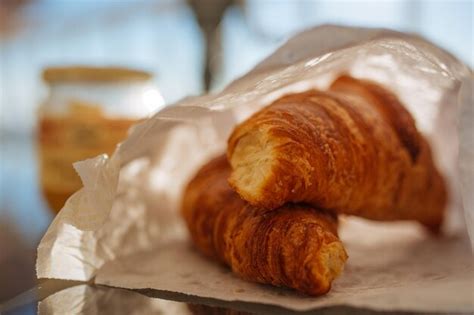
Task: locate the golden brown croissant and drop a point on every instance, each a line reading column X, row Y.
column 353, row 150
column 293, row 246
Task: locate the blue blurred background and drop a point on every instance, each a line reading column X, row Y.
column 170, row 39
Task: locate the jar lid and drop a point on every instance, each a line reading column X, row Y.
column 93, row 74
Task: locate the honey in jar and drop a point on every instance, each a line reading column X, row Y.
column 88, row 112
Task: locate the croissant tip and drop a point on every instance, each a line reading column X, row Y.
column 251, row 162
column 335, row 257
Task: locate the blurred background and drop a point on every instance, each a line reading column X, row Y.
column 188, row 46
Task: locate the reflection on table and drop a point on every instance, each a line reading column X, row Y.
column 86, row 299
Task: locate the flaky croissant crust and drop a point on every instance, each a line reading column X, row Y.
column 294, row 246
column 353, row 149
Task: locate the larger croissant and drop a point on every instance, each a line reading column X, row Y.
column 293, row 246
column 353, row 149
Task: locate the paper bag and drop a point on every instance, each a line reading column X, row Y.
column 123, row 227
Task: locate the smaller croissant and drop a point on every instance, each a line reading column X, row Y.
column 294, row 246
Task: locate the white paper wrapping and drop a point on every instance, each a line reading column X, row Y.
column 124, row 229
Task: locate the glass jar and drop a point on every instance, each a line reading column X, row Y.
column 88, row 112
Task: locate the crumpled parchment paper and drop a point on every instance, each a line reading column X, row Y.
column 123, row 227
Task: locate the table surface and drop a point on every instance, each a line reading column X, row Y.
column 108, row 300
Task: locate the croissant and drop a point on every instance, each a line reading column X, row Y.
column 353, row 149
column 293, row 246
